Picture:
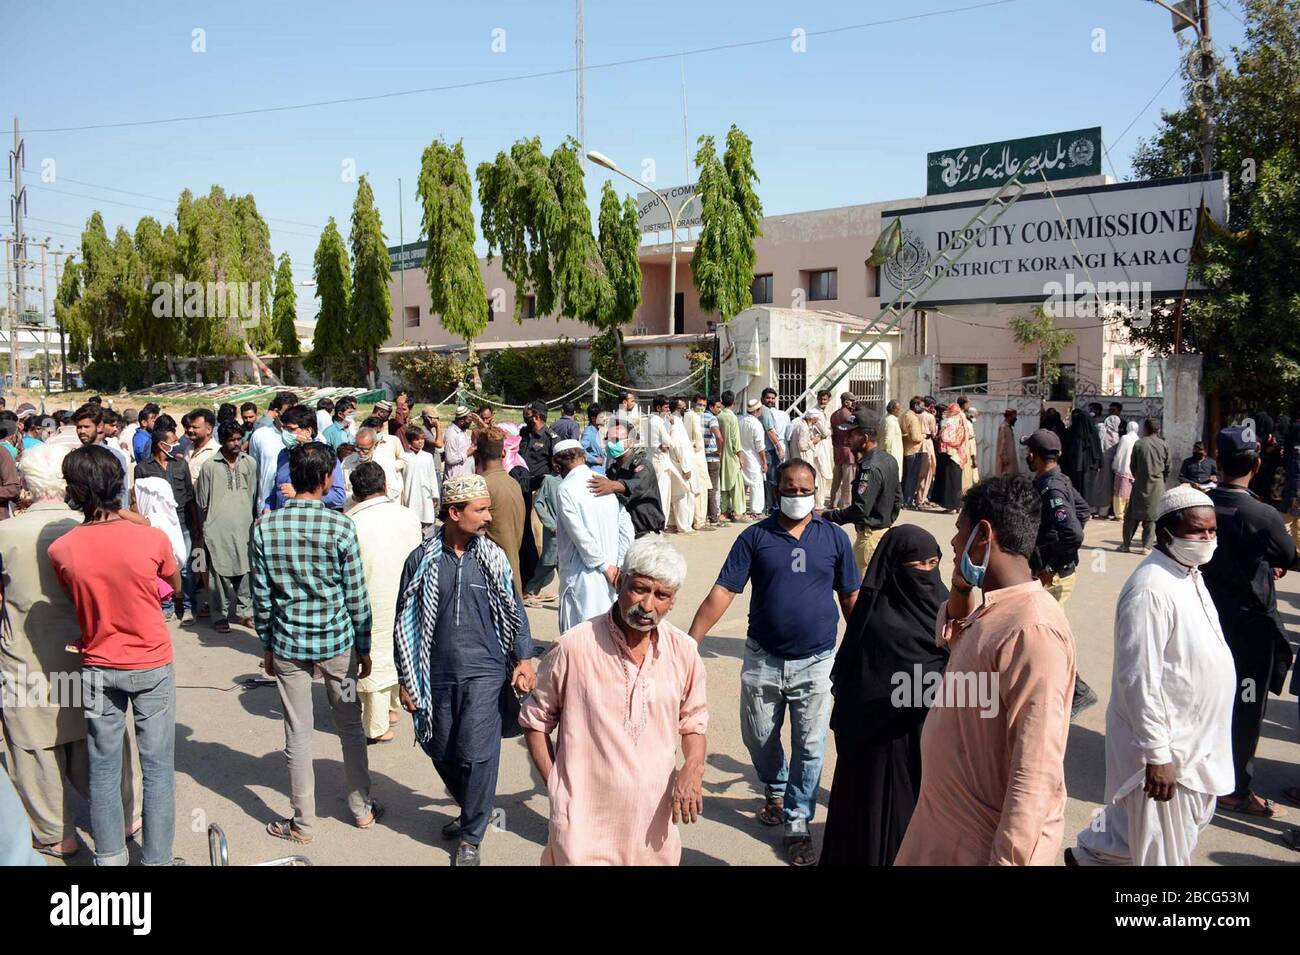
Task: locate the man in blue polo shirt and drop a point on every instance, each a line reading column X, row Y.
column 798, row 563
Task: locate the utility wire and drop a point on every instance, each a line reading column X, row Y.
column 522, row 77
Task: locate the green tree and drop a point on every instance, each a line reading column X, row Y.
column 1040, row 333
column 371, row 307
column 1244, row 323
column 67, row 301
column 620, row 246
column 332, row 343
column 456, row 291
column 284, row 313
column 723, row 264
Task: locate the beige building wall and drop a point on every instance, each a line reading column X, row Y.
column 792, row 248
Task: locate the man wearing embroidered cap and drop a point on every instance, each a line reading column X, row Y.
column 460, row 637
column 592, row 534
column 1168, row 726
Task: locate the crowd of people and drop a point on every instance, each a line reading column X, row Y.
column 397, row 558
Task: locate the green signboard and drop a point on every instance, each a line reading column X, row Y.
column 989, row 165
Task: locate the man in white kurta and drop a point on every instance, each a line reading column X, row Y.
column 591, row 536
column 683, row 455
column 751, row 446
column 1168, row 726
column 700, row 480
column 420, row 487
column 666, row 456
column 387, row 532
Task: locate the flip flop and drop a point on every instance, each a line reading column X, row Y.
column 1247, row 807
column 772, row 813
column 54, row 852
column 283, row 829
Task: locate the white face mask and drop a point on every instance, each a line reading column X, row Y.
column 1192, row 553
column 796, row 508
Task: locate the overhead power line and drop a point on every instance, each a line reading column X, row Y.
column 521, row 77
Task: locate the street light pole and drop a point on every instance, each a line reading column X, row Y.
column 601, row 159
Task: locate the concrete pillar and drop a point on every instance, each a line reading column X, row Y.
column 1184, row 406
column 912, row 375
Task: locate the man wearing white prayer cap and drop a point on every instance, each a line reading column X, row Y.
column 1169, row 723
column 592, row 534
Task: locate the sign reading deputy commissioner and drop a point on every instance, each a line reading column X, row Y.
column 1134, row 232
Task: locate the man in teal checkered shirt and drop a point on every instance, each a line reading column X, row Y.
column 312, row 610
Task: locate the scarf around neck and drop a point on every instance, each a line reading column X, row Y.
column 417, row 619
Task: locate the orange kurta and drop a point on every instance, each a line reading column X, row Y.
column 993, row 783
column 617, row 730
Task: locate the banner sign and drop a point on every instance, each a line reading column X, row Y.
column 1130, row 234
column 655, row 219
column 989, row 165
column 409, row 256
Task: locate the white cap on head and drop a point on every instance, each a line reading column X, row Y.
column 1180, row 498
column 568, row 444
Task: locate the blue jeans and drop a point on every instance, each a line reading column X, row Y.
column 189, row 578
column 151, row 695
column 770, row 685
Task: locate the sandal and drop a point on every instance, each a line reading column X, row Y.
column 1264, row 809
column 799, row 850
column 54, row 852
column 376, row 813
column 773, row 811
column 283, row 829
column 221, row 626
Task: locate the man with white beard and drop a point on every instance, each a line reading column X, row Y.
column 1169, row 723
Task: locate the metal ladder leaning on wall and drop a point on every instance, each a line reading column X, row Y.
column 906, row 301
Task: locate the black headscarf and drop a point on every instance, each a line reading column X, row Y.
column 891, row 631
column 1085, row 442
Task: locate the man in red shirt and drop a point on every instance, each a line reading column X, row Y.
column 110, row 567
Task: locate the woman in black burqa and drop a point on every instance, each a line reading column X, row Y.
column 879, row 677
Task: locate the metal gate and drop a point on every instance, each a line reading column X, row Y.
column 866, row 382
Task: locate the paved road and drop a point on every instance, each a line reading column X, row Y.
column 230, row 768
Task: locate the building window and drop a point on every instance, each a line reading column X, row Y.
column 679, row 313
column 530, row 306
column 491, row 315
column 823, row 286
column 791, row 380
column 972, row 378
column 873, row 281
column 412, row 313
column 867, row 383
column 1126, row 370
column 761, row 289
column 1155, row 377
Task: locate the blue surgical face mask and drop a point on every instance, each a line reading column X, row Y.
column 974, row 574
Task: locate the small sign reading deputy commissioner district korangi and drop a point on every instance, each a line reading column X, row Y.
column 989, row 165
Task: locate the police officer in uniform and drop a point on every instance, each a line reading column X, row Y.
column 876, row 500
column 1254, row 549
column 1060, row 533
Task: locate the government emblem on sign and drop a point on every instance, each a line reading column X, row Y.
column 909, row 262
column 1081, row 152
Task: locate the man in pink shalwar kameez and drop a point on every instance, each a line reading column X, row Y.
column 618, row 692
column 993, row 747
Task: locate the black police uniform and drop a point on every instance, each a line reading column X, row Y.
column 876, row 500
column 1060, row 524
column 1252, row 540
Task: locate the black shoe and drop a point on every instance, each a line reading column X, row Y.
column 1070, row 860
column 451, row 829
column 1084, row 697
column 466, row 855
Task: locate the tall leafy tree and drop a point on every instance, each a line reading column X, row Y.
column 520, row 213
column 620, row 246
column 1244, row 323
column 723, row 264
column 456, row 291
column 66, row 304
column 284, row 313
column 371, row 307
column 332, row 342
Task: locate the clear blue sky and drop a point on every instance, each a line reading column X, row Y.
column 850, row 120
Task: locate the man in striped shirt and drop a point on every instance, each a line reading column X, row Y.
column 311, row 609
